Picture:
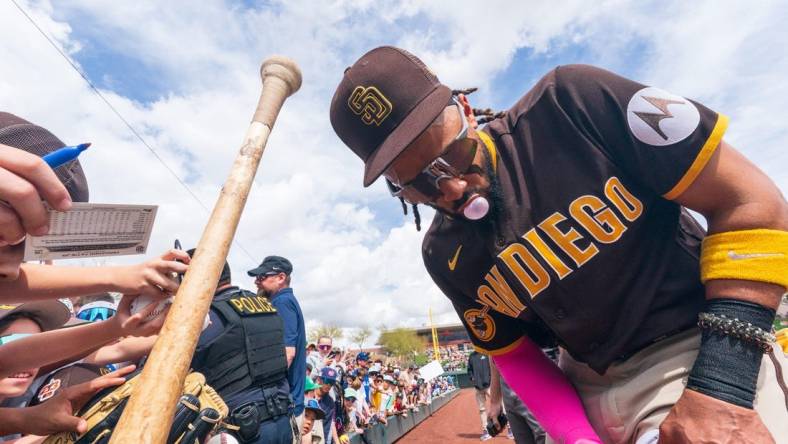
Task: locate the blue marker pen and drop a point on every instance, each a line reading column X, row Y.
column 64, row 155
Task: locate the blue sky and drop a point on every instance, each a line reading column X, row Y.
column 185, row 74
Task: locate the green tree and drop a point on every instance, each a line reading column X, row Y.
column 422, row 359
column 400, row 342
column 360, row 336
column 332, row 331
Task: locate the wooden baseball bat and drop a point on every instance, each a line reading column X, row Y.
column 149, row 413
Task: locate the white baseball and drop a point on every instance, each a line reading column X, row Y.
column 142, row 302
column 222, row 438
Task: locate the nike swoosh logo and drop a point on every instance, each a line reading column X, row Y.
column 736, row 256
column 453, row 261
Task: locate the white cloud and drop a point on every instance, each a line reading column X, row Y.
column 307, row 202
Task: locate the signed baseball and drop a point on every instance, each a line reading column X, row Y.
column 142, row 302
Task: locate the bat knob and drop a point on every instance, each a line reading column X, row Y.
column 284, row 69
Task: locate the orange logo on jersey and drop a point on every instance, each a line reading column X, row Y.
column 49, row 390
column 480, row 323
column 370, row 104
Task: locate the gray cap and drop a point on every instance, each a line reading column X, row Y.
column 19, row 133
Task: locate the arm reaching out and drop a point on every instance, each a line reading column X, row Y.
column 52, row 346
column 57, row 414
column 152, row 278
column 131, row 348
column 547, row 393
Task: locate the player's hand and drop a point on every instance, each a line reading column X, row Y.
column 700, row 418
column 57, row 414
column 137, row 324
column 493, row 411
column 155, row 278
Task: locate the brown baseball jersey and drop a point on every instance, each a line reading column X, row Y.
column 588, row 248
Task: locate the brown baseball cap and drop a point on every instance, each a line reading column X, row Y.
column 50, row 314
column 19, row 133
column 66, row 377
column 384, row 102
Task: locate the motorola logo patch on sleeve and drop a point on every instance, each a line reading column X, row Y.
column 659, row 118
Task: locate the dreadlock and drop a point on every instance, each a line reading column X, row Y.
column 416, row 214
column 482, row 115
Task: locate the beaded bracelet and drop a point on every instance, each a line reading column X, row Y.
column 737, row 329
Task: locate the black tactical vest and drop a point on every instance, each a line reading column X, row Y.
column 250, row 351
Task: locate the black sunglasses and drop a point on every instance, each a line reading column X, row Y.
column 457, row 157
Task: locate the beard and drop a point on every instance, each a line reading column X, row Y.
column 494, row 195
column 263, row 292
column 487, row 225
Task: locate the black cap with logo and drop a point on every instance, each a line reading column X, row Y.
column 383, row 103
column 272, row 265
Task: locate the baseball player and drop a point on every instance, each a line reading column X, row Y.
column 563, row 220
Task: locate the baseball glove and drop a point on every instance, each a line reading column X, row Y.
column 200, row 410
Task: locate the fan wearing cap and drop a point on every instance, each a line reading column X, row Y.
column 126, row 350
column 562, row 220
column 362, row 361
column 272, row 279
column 351, row 398
column 388, row 392
column 25, row 183
column 65, row 344
column 327, row 397
column 22, row 321
column 315, row 433
column 312, row 420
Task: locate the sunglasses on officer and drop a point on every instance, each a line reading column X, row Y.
column 262, row 277
column 455, row 160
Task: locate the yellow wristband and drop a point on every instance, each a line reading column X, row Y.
column 754, row 255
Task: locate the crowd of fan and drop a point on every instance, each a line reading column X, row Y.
column 351, row 390
column 66, row 333
column 453, row 358
column 358, row 391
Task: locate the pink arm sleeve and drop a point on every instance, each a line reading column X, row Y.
column 547, row 393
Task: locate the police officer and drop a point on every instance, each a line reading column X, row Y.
column 242, row 356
